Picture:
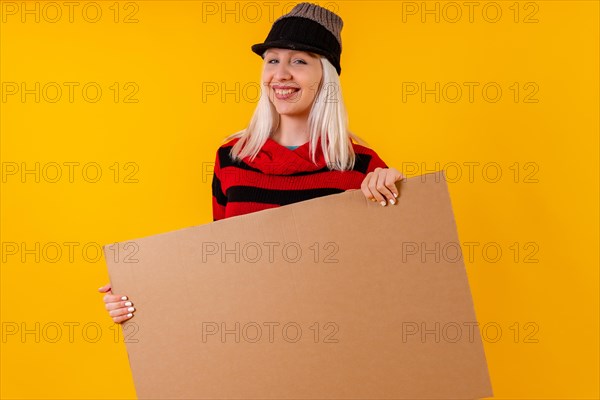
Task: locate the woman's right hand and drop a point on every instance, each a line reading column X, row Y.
column 119, row 307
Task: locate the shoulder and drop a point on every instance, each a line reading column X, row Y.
column 223, row 154
column 360, row 149
column 363, row 150
column 228, row 143
column 369, row 155
column 224, row 148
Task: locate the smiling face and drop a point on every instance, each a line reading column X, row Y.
column 292, row 79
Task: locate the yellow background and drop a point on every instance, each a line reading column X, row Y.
column 171, row 134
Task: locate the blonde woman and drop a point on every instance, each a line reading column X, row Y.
column 297, row 145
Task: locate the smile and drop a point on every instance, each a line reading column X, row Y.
column 285, row 91
column 285, row 94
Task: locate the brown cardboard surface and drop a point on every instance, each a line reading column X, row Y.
column 393, row 318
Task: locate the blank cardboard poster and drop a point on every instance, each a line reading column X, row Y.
column 331, row 298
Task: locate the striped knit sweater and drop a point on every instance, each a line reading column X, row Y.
column 279, row 176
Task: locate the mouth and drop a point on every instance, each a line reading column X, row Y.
column 284, row 93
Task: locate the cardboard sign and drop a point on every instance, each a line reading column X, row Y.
column 336, row 297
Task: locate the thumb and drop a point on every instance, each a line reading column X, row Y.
column 106, row 288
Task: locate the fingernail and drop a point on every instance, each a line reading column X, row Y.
column 373, row 199
column 131, row 309
column 128, row 304
column 124, row 298
column 396, row 195
column 130, row 315
column 383, row 203
column 392, row 201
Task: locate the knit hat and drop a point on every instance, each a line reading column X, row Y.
column 307, row 27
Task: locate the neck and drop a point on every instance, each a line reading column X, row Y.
column 292, row 130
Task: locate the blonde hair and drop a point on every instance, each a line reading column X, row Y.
column 327, row 120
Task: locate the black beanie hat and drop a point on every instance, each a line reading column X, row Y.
column 307, row 27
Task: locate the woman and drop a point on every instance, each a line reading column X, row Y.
column 297, row 145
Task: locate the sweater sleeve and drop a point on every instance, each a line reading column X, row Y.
column 219, row 199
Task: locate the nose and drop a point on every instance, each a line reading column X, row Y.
column 282, row 72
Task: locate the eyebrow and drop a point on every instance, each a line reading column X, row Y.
column 293, row 51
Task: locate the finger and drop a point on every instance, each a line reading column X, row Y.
column 122, row 318
column 382, row 182
column 105, row 288
column 111, row 298
column 400, row 178
column 390, row 183
column 121, row 311
column 118, row 304
column 397, row 176
column 372, row 185
column 365, row 188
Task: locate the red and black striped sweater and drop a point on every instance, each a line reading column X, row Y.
column 279, row 176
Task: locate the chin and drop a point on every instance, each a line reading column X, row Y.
column 289, row 108
column 290, row 112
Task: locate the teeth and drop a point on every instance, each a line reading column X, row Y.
column 284, row 92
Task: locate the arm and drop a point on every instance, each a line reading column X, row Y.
column 219, row 199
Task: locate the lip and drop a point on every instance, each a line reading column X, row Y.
column 285, row 96
column 283, row 87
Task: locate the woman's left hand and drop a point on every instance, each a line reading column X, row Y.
column 380, row 185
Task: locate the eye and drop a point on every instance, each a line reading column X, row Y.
column 274, row 59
